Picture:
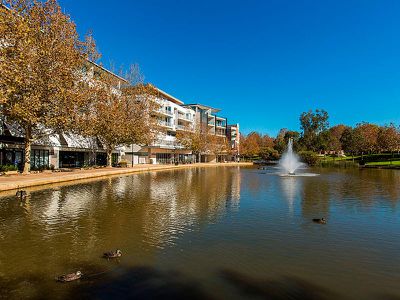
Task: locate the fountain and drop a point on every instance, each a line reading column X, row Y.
column 290, row 161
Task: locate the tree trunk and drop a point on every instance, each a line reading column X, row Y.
column 27, row 149
column 109, row 157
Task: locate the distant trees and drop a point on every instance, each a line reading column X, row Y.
column 316, row 136
column 389, row 138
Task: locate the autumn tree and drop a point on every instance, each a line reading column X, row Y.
column 367, row 137
column 119, row 111
column 335, row 134
column 40, row 61
column 194, row 139
column 218, row 145
column 251, row 144
column 389, row 138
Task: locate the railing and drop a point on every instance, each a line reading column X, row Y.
column 182, row 127
column 165, row 111
column 164, row 123
column 183, row 117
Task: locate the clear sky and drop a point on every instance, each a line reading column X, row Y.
column 261, row 62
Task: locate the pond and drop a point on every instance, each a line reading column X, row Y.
column 207, row 233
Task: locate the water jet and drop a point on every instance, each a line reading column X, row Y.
column 290, row 161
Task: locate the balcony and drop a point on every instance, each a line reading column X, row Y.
column 165, row 124
column 184, row 118
column 220, row 124
column 211, row 124
column 164, row 111
column 184, row 128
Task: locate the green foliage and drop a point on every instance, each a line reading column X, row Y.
column 6, row 168
column 268, row 153
column 313, row 125
column 309, row 157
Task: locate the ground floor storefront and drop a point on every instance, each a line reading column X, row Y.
column 14, row 155
column 170, row 156
column 46, row 157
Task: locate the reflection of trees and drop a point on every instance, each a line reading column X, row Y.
column 360, row 189
column 137, row 214
column 316, row 195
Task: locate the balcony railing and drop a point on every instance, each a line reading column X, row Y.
column 185, row 118
column 165, row 111
column 164, row 123
column 186, row 128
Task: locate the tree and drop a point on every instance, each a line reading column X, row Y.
column 119, row 116
column 334, row 136
column 251, row 144
column 349, row 141
column 267, row 141
column 280, row 144
column 268, row 153
column 218, row 145
column 313, row 124
column 388, row 138
column 367, row 137
column 195, row 139
column 40, row 59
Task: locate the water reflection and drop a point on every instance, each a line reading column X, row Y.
column 291, row 188
column 201, row 220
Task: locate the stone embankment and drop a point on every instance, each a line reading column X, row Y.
column 13, row 182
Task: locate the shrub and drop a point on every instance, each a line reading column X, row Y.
column 309, row 157
column 123, row 164
column 268, row 153
column 6, row 168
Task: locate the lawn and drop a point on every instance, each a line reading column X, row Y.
column 384, row 163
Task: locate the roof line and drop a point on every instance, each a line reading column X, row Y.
column 108, row 71
column 169, row 96
column 204, row 106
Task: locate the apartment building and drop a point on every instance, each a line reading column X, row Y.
column 64, row 150
column 173, row 115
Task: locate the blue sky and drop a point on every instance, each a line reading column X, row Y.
column 261, row 62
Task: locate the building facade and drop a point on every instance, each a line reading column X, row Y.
column 66, row 150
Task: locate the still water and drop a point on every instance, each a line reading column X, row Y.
column 207, row 233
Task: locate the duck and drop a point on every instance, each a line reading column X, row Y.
column 113, row 254
column 319, row 221
column 69, row 277
column 21, row 194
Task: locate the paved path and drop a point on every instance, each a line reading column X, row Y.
column 13, row 182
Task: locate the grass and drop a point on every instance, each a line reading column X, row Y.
column 384, row 163
column 371, row 160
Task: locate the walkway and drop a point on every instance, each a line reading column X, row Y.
column 13, row 182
